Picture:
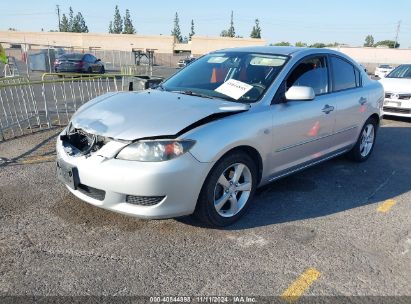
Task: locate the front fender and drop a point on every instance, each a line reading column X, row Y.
column 251, row 128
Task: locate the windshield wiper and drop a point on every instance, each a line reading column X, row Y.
column 159, row 86
column 191, row 93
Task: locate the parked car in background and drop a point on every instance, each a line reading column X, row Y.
column 78, row 63
column 185, row 62
column 204, row 140
column 397, row 87
column 382, row 70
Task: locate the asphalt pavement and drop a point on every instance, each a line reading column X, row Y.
column 337, row 229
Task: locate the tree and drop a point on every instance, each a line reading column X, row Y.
column 3, row 56
column 300, row 44
column 335, row 44
column 79, row 24
column 369, row 41
column 71, row 20
column 282, row 43
column 256, row 31
column 82, row 23
column 12, row 29
column 128, row 24
column 389, row 43
column 224, row 33
column 318, row 45
column 176, row 32
column 192, row 32
column 110, row 27
column 117, row 22
column 64, row 26
column 231, row 29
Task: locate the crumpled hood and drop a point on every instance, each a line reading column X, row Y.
column 396, row 85
column 134, row 115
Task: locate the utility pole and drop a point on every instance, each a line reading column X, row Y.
column 58, row 14
column 397, row 33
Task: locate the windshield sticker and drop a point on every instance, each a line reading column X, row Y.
column 264, row 61
column 234, row 88
column 217, row 59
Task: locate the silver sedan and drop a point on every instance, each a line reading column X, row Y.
column 205, row 139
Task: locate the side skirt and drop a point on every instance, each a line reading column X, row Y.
column 304, row 166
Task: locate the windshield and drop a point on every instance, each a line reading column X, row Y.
column 72, row 56
column 402, row 71
column 232, row 76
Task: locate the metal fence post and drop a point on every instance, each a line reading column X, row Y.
column 43, row 92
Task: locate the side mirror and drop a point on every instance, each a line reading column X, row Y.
column 300, row 93
column 98, row 60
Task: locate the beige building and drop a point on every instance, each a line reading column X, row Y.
column 119, row 42
column 165, row 46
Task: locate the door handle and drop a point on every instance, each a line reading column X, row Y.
column 327, row 109
column 362, row 100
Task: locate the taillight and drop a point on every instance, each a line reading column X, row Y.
column 56, row 62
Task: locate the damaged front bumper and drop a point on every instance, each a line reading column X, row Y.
column 142, row 189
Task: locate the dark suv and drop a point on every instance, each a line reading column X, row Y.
column 78, row 63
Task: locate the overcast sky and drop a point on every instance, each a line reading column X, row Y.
column 310, row 21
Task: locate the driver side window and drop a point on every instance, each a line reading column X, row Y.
column 312, row 72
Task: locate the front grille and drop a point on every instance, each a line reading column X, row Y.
column 400, row 96
column 397, row 110
column 92, row 192
column 144, row 200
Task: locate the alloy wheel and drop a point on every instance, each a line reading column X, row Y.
column 232, row 190
column 367, row 140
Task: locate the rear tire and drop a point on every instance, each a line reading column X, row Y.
column 227, row 191
column 365, row 143
column 102, row 70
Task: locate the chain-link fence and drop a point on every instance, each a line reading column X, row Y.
column 113, row 60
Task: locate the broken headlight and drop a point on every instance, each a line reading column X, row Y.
column 155, row 150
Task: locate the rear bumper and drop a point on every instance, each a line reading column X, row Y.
column 177, row 181
column 63, row 70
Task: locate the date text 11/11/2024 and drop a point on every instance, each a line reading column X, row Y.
column 202, row 299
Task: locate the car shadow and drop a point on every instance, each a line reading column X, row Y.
column 333, row 186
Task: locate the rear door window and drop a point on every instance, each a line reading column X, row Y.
column 344, row 74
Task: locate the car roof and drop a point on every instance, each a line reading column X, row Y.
column 276, row 50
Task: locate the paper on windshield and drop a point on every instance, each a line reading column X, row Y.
column 234, row 88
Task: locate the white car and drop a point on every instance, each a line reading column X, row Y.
column 397, row 87
column 382, row 70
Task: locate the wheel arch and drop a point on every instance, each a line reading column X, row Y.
column 253, row 154
column 376, row 118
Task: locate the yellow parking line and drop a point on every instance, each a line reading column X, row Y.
column 386, row 206
column 300, row 285
column 37, row 159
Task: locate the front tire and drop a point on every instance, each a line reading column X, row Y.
column 227, row 191
column 365, row 143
